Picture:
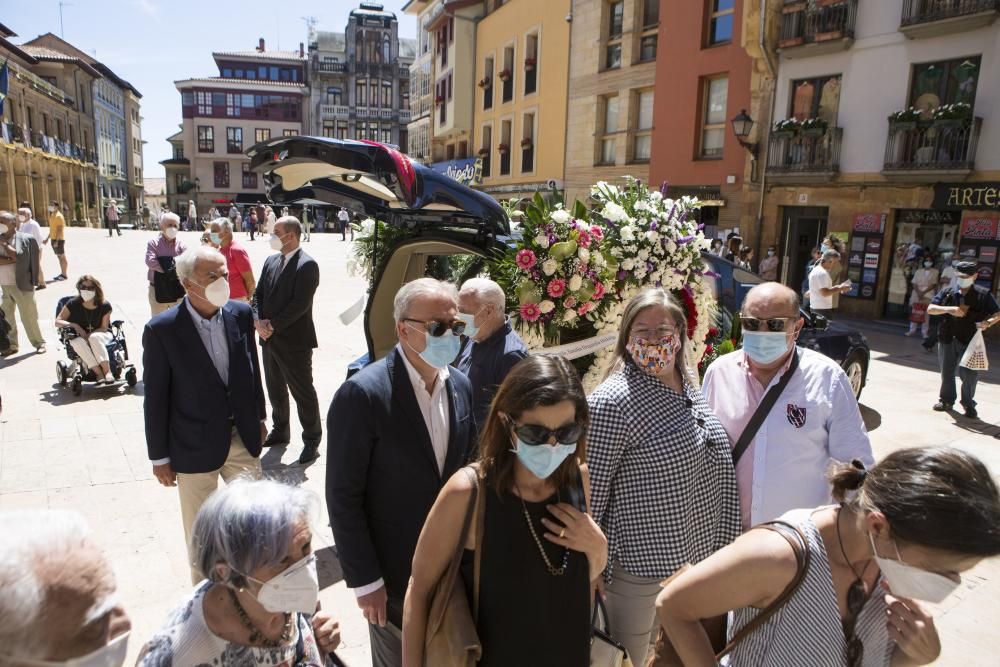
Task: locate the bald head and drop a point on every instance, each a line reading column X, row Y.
column 771, row 300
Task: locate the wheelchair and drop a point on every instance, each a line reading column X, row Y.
column 74, row 373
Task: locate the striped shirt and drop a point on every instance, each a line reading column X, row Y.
column 807, row 629
column 662, row 481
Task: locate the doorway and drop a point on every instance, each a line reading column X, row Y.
column 920, row 235
column 804, row 228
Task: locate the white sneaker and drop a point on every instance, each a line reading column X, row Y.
column 109, row 378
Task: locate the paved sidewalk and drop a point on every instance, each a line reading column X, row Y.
column 88, row 453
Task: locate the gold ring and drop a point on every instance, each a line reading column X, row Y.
column 562, row 533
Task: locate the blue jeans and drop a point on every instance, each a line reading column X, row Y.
column 949, row 354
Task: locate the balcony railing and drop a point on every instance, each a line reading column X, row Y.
column 404, row 115
column 334, row 110
column 804, row 154
column 15, row 134
column 335, row 68
column 41, row 85
column 937, row 146
column 823, row 27
column 930, row 18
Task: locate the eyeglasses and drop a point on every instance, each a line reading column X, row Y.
column 437, row 328
column 653, row 334
column 856, row 598
column 534, row 435
column 88, row 286
column 773, row 324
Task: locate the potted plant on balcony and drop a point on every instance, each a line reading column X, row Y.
column 786, row 129
column 527, row 143
column 484, row 151
column 439, row 99
column 484, row 82
column 952, row 115
column 792, row 6
column 503, row 148
column 529, row 64
column 504, row 74
column 788, row 42
column 829, row 3
column 814, row 127
column 905, row 119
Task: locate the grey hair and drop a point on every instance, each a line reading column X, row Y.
column 830, row 254
column 249, row 525
column 223, row 223
column 290, row 222
column 647, row 298
column 187, row 260
column 486, row 291
column 29, row 535
column 8, row 218
column 167, row 217
column 415, row 289
column 24, row 211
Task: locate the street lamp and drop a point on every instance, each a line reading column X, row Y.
column 742, row 126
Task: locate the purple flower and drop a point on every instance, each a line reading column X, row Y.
column 679, row 272
column 649, row 267
column 622, row 274
column 683, row 217
column 673, row 209
column 653, row 226
column 659, row 283
column 684, row 240
column 663, row 188
column 701, row 227
column 711, row 274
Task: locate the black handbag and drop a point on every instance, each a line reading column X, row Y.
column 166, row 286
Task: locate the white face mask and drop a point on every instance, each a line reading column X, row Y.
column 216, row 292
column 87, row 294
column 21, row 219
column 294, row 590
column 110, row 655
column 52, row 209
column 907, row 581
column 966, row 282
column 170, row 233
column 276, row 243
column 3, row 228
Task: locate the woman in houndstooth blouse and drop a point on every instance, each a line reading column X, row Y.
column 664, row 489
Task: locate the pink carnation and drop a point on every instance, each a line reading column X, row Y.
column 525, row 259
column 530, row 312
column 569, row 302
column 598, row 290
column 597, row 233
column 557, row 287
column 585, row 308
column 584, row 238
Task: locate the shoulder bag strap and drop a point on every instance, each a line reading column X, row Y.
column 451, row 574
column 480, row 528
column 760, row 414
column 797, row 540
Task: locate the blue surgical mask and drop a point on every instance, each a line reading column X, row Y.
column 470, row 323
column 542, row 460
column 966, row 282
column 216, row 239
column 765, row 347
column 824, row 247
column 440, row 350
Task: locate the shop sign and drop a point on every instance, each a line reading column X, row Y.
column 980, row 227
column 869, row 222
column 966, row 196
column 922, row 216
column 465, row 171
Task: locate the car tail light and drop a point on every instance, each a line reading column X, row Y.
column 404, row 170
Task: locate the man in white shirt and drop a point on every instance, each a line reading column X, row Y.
column 396, row 431
column 814, row 421
column 28, row 225
column 343, row 219
column 821, row 287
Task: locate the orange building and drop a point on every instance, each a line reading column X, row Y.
column 702, row 81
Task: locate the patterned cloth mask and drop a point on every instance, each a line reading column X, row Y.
column 654, row 358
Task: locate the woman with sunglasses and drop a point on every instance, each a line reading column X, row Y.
column 89, row 316
column 540, row 550
column 663, row 481
column 918, row 519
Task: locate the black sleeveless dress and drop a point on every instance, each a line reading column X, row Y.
column 527, row 616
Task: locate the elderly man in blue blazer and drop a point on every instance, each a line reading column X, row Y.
column 204, row 399
column 396, row 431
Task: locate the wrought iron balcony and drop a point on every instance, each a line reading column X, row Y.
column 11, row 134
column 804, row 156
column 813, row 28
column 931, row 18
column 927, row 150
column 334, row 111
column 334, row 68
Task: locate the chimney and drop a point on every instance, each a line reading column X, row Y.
column 260, row 45
column 302, row 50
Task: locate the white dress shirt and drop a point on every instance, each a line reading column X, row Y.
column 434, row 409
column 32, row 227
column 819, row 278
column 286, row 258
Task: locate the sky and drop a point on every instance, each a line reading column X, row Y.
column 152, row 43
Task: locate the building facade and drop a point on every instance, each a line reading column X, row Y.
column 703, row 77
column 612, row 72
column 133, row 162
column 895, row 185
column 257, row 96
column 420, row 129
column 360, row 78
column 522, row 53
column 47, row 149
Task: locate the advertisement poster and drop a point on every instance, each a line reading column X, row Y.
column 871, row 261
column 866, row 250
column 979, row 239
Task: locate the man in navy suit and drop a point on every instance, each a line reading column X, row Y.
column 282, row 305
column 396, row 432
column 204, row 400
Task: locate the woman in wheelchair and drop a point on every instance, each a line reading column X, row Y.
column 89, row 316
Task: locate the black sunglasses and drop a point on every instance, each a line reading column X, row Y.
column 774, row 324
column 437, row 328
column 533, row 434
column 88, row 286
column 856, row 598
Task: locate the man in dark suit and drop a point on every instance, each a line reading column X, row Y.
column 283, row 307
column 397, row 431
column 204, row 400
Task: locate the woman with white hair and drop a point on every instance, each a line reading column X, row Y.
column 258, row 605
column 663, row 484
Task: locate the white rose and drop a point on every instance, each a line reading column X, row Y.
column 643, row 254
column 656, row 196
column 627, row 233
column 641, row 206
column 549, row 266
column 653, row 236
column 575, row 282
column 583, row 254
column 628, row 264
column 542, row 241
column 546, row 306
column 599, row 260
column 560, row 216
column 612, row 212
column 671, row 247
column 569, row 315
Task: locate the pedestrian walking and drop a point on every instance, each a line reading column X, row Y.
column 89, row 316
column 204, row 399
column 343, row 219
column 19, row 265
column 252, row 222
column 306, row 223
column 162, row 251
column 788, row 411
column 396, row 432
column 269, row 220
column 145, row 217
column 664, row 490
column 257, row 598
column 537, row 550
column 492, row 346
column 241, row 280
column 56, row 587
column 57, row 235
column 821, row 287
column 192, row 215
column 282, row 306
column 235, row 218
column 965, row 308
column 861, row 572
column 28, row 225
column 111, row 215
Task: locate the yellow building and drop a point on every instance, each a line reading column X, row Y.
column 519, row 114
